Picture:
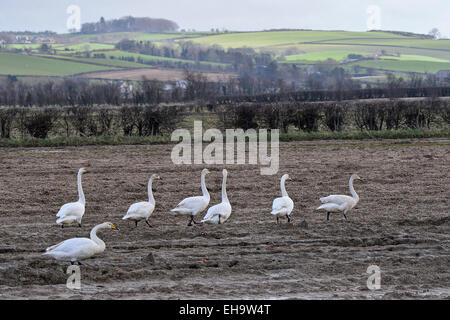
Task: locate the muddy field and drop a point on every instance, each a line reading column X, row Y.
column 401, row 224
column 156, row 74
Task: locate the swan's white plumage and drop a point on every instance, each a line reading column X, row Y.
column 74, row 211
column 339, row 199
column 71, row 209
column 139, row 211
column 341, row 203
column 142, row 210
column 332, row 207
column 76, row 249
column 194, row 205
column 283, row 205
column 219, row 213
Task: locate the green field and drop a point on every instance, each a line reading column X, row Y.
column 100, row 61
column 414, row 57
column 282, row 38
column 403, row 42
column 24, row 46
column 114, row 37
column 21, row 64
column 411, row 54
column 402, row 63
column 320, row 56
column 399, row 53
column 118, row 54
column 380, row 50
column 84, row 46
column 405, row 65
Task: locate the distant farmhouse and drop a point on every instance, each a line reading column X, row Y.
column 30, row 39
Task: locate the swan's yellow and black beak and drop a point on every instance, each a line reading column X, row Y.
column 289, row 179
column 115, row 228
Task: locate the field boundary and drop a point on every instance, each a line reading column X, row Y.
column 75, row 141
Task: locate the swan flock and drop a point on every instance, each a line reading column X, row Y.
column 76, row 249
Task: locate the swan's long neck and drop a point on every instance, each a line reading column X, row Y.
column 96, row 239
column 352, row 190
column 283, row 188
column 204, row 190
column 224, row 189
column 151, row 199
column 80, row 190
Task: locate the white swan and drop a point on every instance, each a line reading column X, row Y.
column 76, row 249
column 220, row 212
column 74, row 211
column 340, row 203
column 284, row 205
column 142, row 210
column 194, row 205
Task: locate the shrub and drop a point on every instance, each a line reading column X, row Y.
column 394, row 114
column 334, row 116
column 7, row 117
column 105, row 118
column 126, row 119
column 369, row 116
column 39, row 122
column 245, row 117
column 306, row 117
column 79, row 118
column 445, row 111
column 271, row 115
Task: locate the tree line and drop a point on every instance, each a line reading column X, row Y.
column 161, row 120
column 194, row 87
column 338, row 115
column 129, row 24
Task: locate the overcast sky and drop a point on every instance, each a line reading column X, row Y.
column 240, row 15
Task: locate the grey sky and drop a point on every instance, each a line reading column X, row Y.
column 406, row 15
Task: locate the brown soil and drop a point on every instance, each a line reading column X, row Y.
column 154, row 74
column 401, row 224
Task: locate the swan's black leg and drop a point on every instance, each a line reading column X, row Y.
column 289, row 219
column 79, row 263
column 136, row 222
column 79, row 225
column 71, row 262
column 278, row 219
column 345, row 216
column 146, row 221
column 192, row 220
column 62, row 226
column 328, row 216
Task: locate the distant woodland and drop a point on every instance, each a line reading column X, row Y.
column 129, row 24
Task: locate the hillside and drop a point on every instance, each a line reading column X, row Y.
column 378, row 52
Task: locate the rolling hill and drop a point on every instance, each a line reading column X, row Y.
column 394, row 52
